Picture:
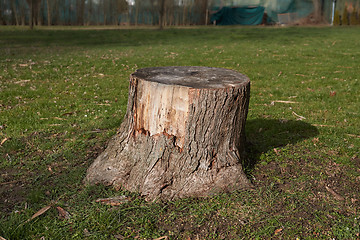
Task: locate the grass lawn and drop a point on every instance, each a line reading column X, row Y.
column 63, row 94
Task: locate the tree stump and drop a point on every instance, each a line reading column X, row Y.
column 182, row 136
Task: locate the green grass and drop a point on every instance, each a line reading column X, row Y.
column 63, row 94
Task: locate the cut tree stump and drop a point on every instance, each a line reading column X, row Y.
column 182, row 136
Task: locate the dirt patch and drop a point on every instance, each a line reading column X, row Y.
column 13, row 190
column 309, row 187
column 18, row 183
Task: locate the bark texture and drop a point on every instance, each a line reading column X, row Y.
column 182, row 136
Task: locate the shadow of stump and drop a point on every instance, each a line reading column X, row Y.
column 263, row 135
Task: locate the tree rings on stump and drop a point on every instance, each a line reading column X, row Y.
column 182, row 135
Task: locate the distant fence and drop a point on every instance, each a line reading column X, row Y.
column 146, row 12
column 95, row 12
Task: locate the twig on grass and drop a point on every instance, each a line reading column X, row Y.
column 163, row 237
column 39, row 213
column 299, row 117
column 113, row 201
column 281, row 101
column 335, row 195
column 3, row 141
column 353, row 135
column 322, row 125
column 11, row 182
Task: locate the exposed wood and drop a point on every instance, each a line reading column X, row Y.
column 182, row 136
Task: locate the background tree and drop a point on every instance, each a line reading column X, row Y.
column 317, row 10
column 80, row 8
column 14, row 12
column 122, row 6
column 353, row 17
column 2, row 19
column 31, row 4
column 161, row 13
column 345, row 16
column 48, row 10
column 336, row 18
column 201, row 7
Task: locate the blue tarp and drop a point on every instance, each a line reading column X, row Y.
column 239, row 15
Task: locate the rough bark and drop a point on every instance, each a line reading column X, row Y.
column 182, row 136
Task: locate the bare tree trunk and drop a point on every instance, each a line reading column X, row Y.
column 56, row 12
column 2, row 20
column 22, row 13
column 39, row 13
column 182, row 136
column 161, row 14
column 48, row 13
column 69, row 14
column 63, row 6
column 201, row 9
column 90, row 13
column 317, row 10
column 31, row 18
column 15, row 12
column 106, row 11
column 184, row 14
column 137, row 8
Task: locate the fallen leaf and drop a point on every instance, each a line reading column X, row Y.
column 57, row 118
column 315, row 140
column 276, row 151
column 39, row 213
column 322, row 125
column 332, row 93
column 86, row 233
column 67, row 114
column 277, row 231
column 351, row 135
column 22, row 81
column 3, row 141
column 163, row 237
column 335, row 195
column 118, row 236
column 62, row 213
column 113, row 201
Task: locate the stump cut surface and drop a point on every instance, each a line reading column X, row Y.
column 182, row 136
